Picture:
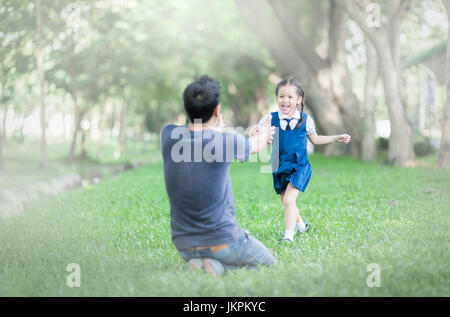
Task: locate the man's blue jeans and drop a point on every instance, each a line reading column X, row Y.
column 245, row 252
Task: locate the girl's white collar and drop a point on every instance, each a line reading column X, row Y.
column 282, row 116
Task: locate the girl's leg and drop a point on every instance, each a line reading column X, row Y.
column 291, row 213
column 299, row 219
column 289, row 201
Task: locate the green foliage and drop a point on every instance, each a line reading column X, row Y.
column 423, row 146
column 119, row 233
column 141, row 53
column 144, row 53
column 382, row 144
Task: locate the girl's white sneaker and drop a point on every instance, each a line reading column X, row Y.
column 307, row 227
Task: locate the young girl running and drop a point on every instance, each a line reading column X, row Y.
column 290, row 154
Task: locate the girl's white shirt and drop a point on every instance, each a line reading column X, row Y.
column 310, row 126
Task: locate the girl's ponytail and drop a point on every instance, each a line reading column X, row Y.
column 301, row 93
column 301, row 115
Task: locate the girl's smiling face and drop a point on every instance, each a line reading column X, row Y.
column 288, row 99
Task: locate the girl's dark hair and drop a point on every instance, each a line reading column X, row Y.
column 292, row 81
column 201, row 98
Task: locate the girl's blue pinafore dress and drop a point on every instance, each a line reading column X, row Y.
column 289, row 157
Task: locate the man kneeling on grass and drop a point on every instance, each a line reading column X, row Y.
column 197, row 162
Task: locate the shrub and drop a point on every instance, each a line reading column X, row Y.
column 382, row 144
column 423, row 147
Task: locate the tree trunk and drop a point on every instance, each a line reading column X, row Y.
column 444, row 154
column 72, row 146
column 142, row 130
column 116, row 123
column 2, row 165
column 40, row 73
column 3, row 132
column 2, row 127
column 84, row 134
column 84, row 154
column 396, row 10
column 400, row 151
column 341, row 86
column 123, row 126
column 293, row 53
column 63, row 114
column 78, row 116
column 368, row 144
column 102, row 124
column 21, row 136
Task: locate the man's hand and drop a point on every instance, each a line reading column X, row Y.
column 266, row 134
column 257, row 129
column 219, row 122
column 261, row 136
column 219, row 125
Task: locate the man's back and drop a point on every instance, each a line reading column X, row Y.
column 197, row 178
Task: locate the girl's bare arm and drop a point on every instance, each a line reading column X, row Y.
column 327, row 139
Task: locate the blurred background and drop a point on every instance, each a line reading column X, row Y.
column 87, row 85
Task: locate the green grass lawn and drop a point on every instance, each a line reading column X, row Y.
column 119, row 233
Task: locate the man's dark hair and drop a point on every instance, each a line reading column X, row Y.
column 201, row 98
